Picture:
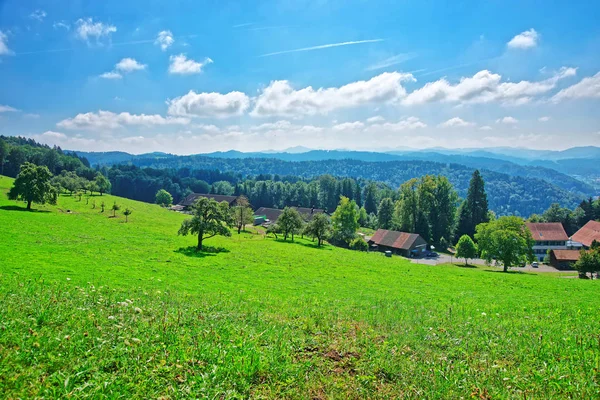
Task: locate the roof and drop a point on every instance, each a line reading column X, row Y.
column 273, row 214
column 588, row 233
column 566, row 255
column 191, row 198
column 543, row 231
column 394, row 239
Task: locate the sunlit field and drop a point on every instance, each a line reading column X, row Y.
column 92, row 306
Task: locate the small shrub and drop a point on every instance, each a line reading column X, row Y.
column 359, row 244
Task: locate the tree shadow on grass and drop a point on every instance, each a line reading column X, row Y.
column 206, row 251
column 17, row 208
column 465, row 266
column 312, row 245
column 507, row 272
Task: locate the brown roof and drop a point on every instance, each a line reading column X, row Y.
column 543, row 231
column 191, row 198
column 566, row 255
column 394, row 239
column 588, row 233
column 273, row 214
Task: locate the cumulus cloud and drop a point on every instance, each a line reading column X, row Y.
column 129, row 65
column 486, row 128
column 209, row 104
column 409, row 123
column 4, row 50
column 485, row 87
column 87, row 28
column 507, row 121
column 110, row 120
column 281, row 99
column 346, row 126
column 456, row 122
column 524, row 40
column 125, row 66
column 588, row 87
column 38, row 15
column 7, row 109
column 54, row 135
column 181, row 65
column 164, row 39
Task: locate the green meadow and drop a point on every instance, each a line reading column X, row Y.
column 95, row 307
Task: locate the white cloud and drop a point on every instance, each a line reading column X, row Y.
column 181, row 65
column 377, row 118
column 7, row 109
column 111, row 75
column 209, row 104
column 507, row 120
column 61, row 24
column 544, row 119
column 346, row 126
column 54, row 135
column 281, row 99
column 524, row 40
column 129, row 65
column 110, row 120
column 485, row 87
column 31, row 116
column 4, row 50
column 456, row 122
column 38, row 15
column 588, row 87
column 486, row 128
column 125, row 66
column 409, row 123
column 164, row 39
column 87, row 28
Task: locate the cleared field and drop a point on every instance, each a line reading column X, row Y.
column 92, row 306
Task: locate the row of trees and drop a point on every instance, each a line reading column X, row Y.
column 572, row 220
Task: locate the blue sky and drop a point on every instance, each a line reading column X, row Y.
column 192, row 76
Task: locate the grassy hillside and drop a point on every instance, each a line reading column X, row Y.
column 95, row 307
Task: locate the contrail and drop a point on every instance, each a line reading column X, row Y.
column 323, row 46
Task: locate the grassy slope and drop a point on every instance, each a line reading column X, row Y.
column 270, row 319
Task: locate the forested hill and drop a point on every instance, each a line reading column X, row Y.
column 490, row 163
column 507, row 194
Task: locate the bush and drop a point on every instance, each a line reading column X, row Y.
column 359, row 244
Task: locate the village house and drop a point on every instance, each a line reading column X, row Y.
column 564, row 259
column 402, row 243
column 547, row 236
column 190, row 199
column 267, row 216
column 587, row 234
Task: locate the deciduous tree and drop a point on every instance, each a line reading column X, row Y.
column 115, row 207
column 163, row 198
column 507, row 240
column 344, row 221
column 127, row 213
column 466, row 248
column 242, row 213
column 209, row 219
column 32, row 185
column 103, row 184
column 289, row 222
column 319, row 227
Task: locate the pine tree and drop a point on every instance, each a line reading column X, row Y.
column 474, row 209
column 386, row 213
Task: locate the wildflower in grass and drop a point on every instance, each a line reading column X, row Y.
column 111, row 317
column 483, row 314
column 68, row 279
column 137, row 310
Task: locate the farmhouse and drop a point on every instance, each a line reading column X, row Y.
column 547, row 236
column 189, row 200
column 265, row 215
column 405, row 244
column 587, row 234
column 564, row 259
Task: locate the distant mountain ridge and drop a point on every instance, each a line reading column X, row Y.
column 476, row 160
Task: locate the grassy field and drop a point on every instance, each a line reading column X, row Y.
column 92, row 306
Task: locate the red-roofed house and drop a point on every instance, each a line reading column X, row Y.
column 405, row 244
column 564, row 259
column 547, row 236
column 587, row 234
